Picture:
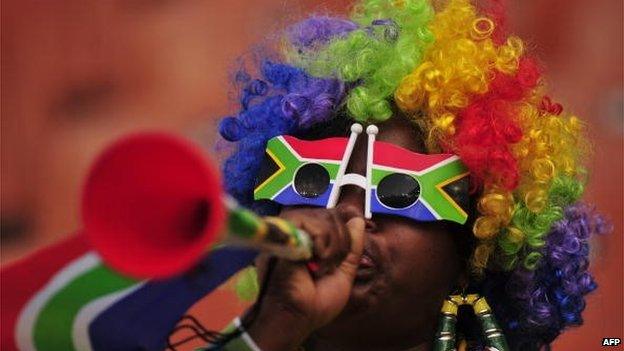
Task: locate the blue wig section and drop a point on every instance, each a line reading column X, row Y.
column 283, row 101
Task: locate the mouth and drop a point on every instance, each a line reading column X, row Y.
column 368, row 267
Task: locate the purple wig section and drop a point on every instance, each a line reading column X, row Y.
column 316, row 31
column 283, row 100
column 536, row 306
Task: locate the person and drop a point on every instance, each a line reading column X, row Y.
column 436, row 79
column 387, row 275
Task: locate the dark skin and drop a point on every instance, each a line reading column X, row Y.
column 381, row 281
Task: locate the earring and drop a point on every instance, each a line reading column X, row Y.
column 445, row 337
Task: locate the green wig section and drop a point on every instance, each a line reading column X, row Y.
column 529, row 229
column 388, row 46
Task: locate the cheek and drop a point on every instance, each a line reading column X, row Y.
column 422, row 261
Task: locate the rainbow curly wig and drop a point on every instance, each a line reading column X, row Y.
column 473, row 91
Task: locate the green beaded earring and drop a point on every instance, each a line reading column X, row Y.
column 445, row 337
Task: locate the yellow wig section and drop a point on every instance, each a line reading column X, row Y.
column 457, row 67
column 459, row 64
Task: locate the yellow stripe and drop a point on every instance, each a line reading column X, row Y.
column 261, row 232
column 280, row 170
column 450, row 199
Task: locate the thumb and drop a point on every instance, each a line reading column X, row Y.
column 333, row 289
column 345, row 273
column 349, row 265
column 333, row 286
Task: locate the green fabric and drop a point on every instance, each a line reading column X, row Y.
column 53, row 328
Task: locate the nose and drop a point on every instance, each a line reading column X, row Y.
column 351, row 202
column 351, row 205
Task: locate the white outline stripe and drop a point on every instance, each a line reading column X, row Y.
column 426, row 170
column 319, row 160
column 285, row 143
column 246, row 337
column 87, row 314
column 440, row 164
column 290, row 184
column 282, row 190
column 24, row 333
column 372, row 131
column 307, row 159
column 426, row 204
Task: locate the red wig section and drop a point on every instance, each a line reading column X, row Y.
column 487, row 128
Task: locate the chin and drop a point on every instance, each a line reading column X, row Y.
column 365, row 303
column 366, row 296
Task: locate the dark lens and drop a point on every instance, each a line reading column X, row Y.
column 398, row 190
column 311, row 180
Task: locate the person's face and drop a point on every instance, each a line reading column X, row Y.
column 408, row 267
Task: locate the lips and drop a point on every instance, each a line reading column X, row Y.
column 368, row 267
column 366, row 261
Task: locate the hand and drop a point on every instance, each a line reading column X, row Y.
column 297, row 301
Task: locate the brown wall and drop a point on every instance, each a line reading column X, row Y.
column 76, row 74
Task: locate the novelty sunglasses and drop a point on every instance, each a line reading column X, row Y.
column 397, row 182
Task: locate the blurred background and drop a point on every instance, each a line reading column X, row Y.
column 77, row 74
